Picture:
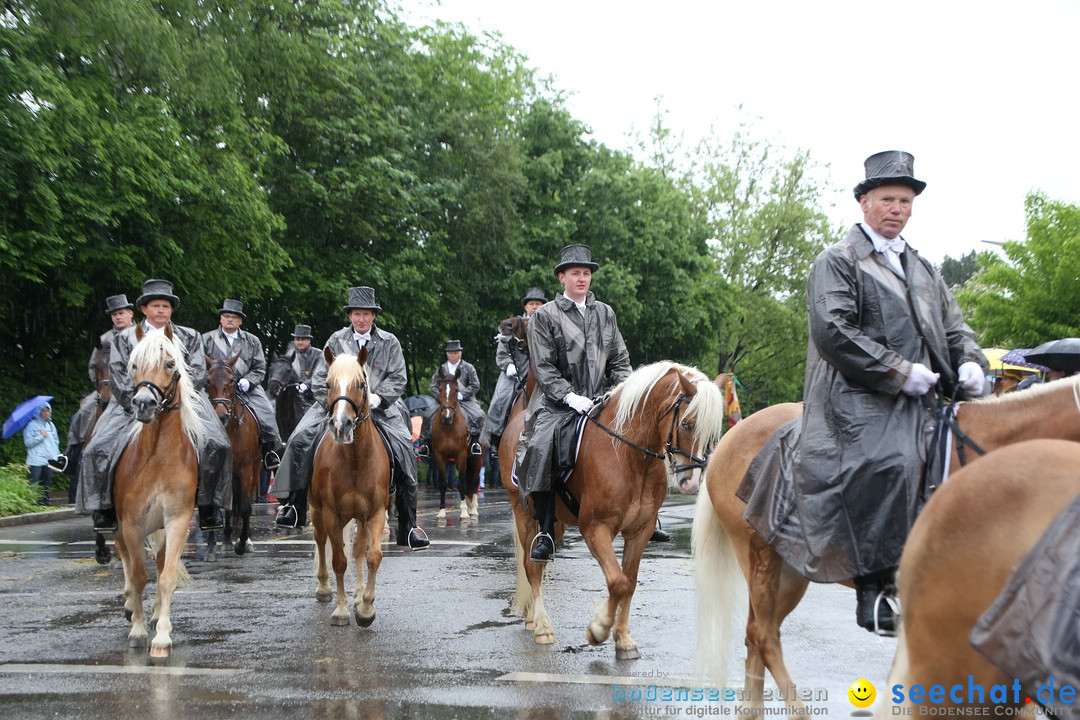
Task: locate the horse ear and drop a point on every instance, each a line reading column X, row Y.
column 97, row 342
column 138, row 332
column 209, row 360
column 687, row 385
column 290, row 356
column 168, row 331
column 362, row 356
column 328, row 355
column 457, row 373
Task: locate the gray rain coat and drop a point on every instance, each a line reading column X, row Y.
column 569, row 354
column 251, row 364
column 858, row 465
column 506, row 387
column 80, row 421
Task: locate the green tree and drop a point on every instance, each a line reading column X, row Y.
column 1033, row 293
column 955, row 272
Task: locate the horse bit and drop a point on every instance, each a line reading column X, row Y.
column 696, row 463
column 163, row 397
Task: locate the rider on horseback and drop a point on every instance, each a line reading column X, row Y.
column 157, row 304
column 468, row 386
column 121, row 312
column 250, row 370
column 386, row 381
column 306, row 360
column 513, row 363
column 577, row 354
column 884, row 332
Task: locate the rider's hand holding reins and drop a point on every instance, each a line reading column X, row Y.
column 373, row 400
column 580, row 403
column 972, row 379
column 511, row 370
column 920, row 380
column 244, row 384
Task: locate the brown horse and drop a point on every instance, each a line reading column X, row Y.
column 243, row 431
column 628, row 456
column 450, row 449
column 350, row 482
column 726, row 547
column 976, row 529
column 156, row 478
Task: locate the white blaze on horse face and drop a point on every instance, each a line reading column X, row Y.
column 340, row 422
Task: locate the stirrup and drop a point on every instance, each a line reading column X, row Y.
column 894, row 605
column 286, row 516
column 423, row 452
column 58, row 464
column 271, row 461
column 475, row 449
column 420, row 531
column 535, row 544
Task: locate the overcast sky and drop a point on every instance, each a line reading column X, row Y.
column 984, row 94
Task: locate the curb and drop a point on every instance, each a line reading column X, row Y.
column 36, row 517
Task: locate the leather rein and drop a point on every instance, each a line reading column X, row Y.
column 670, row 450
column 163, row 396
column 360, row 417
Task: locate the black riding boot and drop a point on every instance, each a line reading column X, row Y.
column 105, row 520
column 543, row 549
column 272, row 453
column 408, row 535
column 292, row 512
column 873, row 610
column 210, row 518
column 658, row 534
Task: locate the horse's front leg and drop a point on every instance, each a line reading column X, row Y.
column 322, row 577
column 599, row 539
column 129, row 545
column 175, row 535
column 373, row 531
column 340, row 616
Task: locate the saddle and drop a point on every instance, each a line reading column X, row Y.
column 394, row 467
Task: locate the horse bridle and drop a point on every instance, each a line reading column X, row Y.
column 670, row 450
column 228, row 402
column 163, row 397
column 360, row 417
column 100, row 402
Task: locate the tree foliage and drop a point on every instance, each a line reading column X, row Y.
column 1032, row 294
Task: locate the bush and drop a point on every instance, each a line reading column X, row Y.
column 17, row 495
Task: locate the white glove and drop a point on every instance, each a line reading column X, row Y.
column 460, row 396
column 920, row 380
column 511, row 370
column 373, row 400
column 972, row 379
column 303, row 387
column 578, row 402
column 244, row 384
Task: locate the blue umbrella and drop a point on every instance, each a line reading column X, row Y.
column 22, row 414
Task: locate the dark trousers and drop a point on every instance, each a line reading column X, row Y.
column 42, row 475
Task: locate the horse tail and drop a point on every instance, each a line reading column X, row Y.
column 719, row 588
column 154, row 542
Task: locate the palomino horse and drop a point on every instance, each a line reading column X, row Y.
column 351, row 481
column 450, row 449
column 724, row 543
column 156, row 478
column 975, row 531
column 629, row 454
column 283, row 385
column 243, row 431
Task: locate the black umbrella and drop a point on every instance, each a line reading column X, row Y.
column 420, row 404
column 1061, row 354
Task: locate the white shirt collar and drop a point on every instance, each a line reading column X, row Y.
column 148, row 328
column 882, row 243
column 453, row 367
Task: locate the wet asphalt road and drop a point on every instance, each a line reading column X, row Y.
column 251, row 640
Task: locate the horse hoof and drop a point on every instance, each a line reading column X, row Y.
column 339, row 620
column 530, row 625
column 595, row 636
column 630, row 653
column 137, row 642
column 240, row 548
column 160, row 651
column 475, row 516
column 103, row 556
column 545, row 638
column 323, row 595
column 363, row 621
column 441, row 515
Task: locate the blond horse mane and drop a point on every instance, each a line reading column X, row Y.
column 1033, row 395
column 345, row 371
column 707, row 403
column 152, row 352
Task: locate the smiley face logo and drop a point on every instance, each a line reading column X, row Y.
column 862, row 693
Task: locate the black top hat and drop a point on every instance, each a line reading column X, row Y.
column 576, row 256
column 302, row 331
column 362, row 298
column 534, row 294
column 453, row 346
column 892, row 167
column 117, row 302
column 157, row 290
column 232, row 306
